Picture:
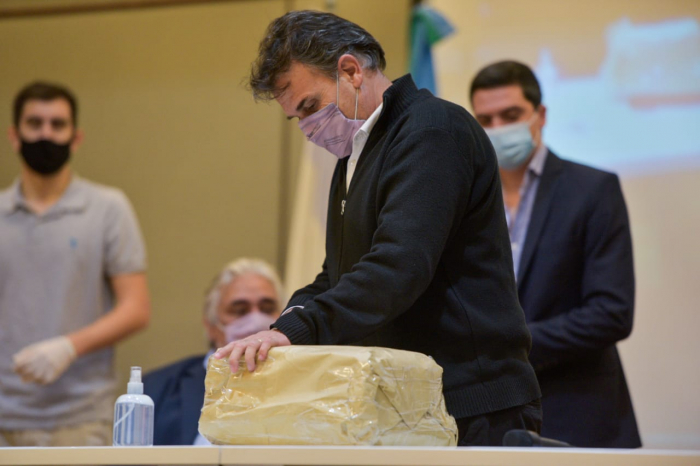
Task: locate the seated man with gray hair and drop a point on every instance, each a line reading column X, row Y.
column 244, row 298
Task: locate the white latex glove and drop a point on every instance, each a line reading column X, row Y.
column 45, row 361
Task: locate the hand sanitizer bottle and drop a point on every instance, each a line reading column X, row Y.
column 133, row 415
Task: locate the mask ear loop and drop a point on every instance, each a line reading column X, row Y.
column 337, row 94
column 357, row 97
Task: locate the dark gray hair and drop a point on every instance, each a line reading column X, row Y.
column 311, row 38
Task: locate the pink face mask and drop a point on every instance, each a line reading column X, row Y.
column 330, row 129
column 243, row 327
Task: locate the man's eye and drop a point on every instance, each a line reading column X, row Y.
column 58, row 124
column 237, row 311
column 511, row 117
column 311, row 106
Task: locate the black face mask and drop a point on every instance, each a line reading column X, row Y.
column 44, row 156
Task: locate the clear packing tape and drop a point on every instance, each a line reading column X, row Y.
column 328, row 395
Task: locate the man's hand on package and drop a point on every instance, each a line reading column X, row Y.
column 45, row 361
column 257, row 344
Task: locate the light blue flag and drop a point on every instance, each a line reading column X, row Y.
column 427, row 28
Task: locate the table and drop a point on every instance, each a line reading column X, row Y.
column 344, row 456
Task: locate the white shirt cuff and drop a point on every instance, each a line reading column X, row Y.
column 290, row 309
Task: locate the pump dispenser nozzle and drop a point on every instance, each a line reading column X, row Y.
column 135, row 386
column 133, row 415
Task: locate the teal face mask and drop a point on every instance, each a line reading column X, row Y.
column 513, row 144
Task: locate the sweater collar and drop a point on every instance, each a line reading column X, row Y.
column 400, row 95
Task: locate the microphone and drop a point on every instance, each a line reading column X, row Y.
column 527, row 438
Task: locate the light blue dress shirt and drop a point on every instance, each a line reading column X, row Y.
column 519, row 220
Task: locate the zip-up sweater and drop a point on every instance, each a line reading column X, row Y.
column 418, row 256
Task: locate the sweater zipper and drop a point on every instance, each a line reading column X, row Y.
column 342, row 235
column 342, row 218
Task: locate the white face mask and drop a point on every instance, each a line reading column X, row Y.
column 249, row 324
column 513, row 144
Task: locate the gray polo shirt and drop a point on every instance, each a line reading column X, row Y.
column 54, row 279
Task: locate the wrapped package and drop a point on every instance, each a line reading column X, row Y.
column 328, row 395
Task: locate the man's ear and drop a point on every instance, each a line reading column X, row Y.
column 351, row 68
column 543, row 114
column 77, row 140
column 13, row 137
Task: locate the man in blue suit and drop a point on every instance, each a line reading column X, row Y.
column 244, row 299
column 572, row 253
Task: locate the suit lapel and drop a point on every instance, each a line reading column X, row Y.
column 191, row 400
column 540, row 211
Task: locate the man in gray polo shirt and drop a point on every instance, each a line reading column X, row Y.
column 72, row 283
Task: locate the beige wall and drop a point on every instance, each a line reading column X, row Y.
column 167, row 120
column 660, row 356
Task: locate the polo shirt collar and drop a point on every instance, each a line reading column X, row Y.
column 74, row 199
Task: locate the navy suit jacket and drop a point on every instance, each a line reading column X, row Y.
column 576, row 286
column 178, row 394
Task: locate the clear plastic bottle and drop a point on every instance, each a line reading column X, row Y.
column 133, row 415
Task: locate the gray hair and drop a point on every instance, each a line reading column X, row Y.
column 230, row 272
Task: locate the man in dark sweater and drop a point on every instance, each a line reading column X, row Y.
column 417, row 250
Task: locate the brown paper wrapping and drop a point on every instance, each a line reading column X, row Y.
column 328, row 395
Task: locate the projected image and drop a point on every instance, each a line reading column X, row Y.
column 641, row 112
